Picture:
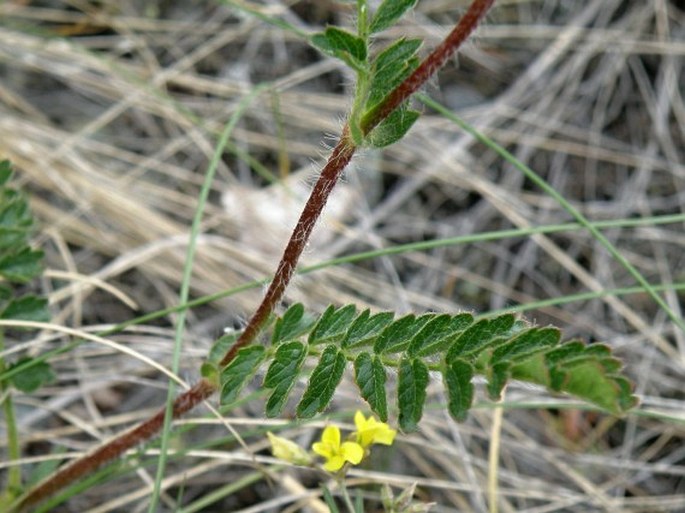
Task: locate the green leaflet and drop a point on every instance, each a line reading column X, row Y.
column 587, row 372
column 322, row 384
column 392, row 128
column 292, row 324
column 457, row 376
column 390, row 68
column 480, row 335
column 5, row 172
column 369, row 374
column 282, row 374
column 438, row 334
column 395, row 55
column 21, row 266
column 366, row 327
column 396, row 337
column 237, row 373
column 27, row 308
column 526, row 344
column 32, row 378
column 342, row 44
column 221, row 347
column 388, row 13
column 14, row 211
column 411, row 392
column 332, row 325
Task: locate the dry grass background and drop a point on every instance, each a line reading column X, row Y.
column 110, row 112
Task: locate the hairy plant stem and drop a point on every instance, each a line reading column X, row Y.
column 340, row 157
column 116, row 447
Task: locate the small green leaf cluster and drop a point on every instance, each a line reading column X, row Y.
column 455, row 346
column 19, row 264
column 377, row 76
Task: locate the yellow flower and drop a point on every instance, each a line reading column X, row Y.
column 337, row 454
column 287, row 450
column 370, row 431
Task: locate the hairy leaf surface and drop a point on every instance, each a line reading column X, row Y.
column 323, row 382
column 369, row 374
column 411, row 392
column 282, row 374
column 237, row 373
column 389, row 12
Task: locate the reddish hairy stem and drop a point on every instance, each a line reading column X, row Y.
column 340, row 157
column 116, row 447
column 435, row 60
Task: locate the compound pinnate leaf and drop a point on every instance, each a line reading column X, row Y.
column 457, row 376
column 322, row 384
column 369, row 374
column 237, row 373
column 332, row 325
column 411, row 392
column 499, row 348
column 27, row 308
column 292, row 324
column 33, row 377
column 366, row 327
column 388, row 13
column 282, row 374
column 392, row 128
column 343, row 45
column 481, row 334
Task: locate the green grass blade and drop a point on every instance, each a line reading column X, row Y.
column 185, row 286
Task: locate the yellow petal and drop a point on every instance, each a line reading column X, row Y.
column 331, row 435
column 334, row 463
column 352, row 452
column 322, row 449
column 370, row 431
column 384, row 435
column 359, row 421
